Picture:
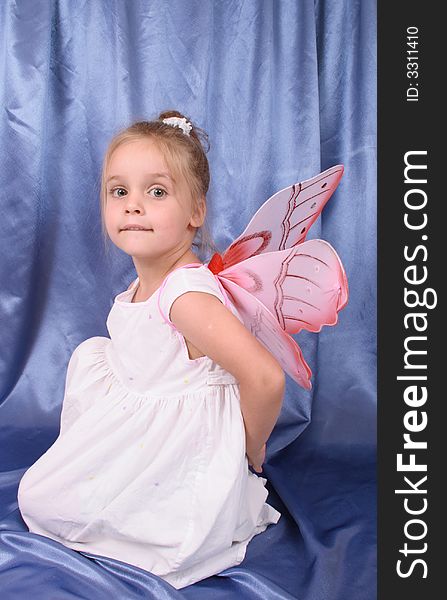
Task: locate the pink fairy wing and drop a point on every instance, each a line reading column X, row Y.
column 303, row 287
column 285, row 218
column 279, row 283
column 264, row 326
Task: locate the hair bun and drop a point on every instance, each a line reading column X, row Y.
column 196, row 133
column 172, row 113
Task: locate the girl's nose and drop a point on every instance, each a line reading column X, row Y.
column 133, row 204
column 132, row 208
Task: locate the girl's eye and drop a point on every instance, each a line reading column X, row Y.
column 158, row 192
column 115, row 190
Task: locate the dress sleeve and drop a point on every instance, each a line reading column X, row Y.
column 187, row 280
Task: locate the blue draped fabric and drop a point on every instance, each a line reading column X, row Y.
column 284, row 89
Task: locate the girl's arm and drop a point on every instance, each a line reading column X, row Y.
column 212, row 328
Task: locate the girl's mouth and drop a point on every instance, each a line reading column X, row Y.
column 135, row 229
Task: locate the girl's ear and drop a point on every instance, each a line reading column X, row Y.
column 198, row 215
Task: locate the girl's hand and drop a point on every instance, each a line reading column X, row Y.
column 256, row 458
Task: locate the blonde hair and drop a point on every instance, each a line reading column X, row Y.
column 185, row 158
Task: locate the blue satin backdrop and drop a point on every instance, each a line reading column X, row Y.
column 285, row 89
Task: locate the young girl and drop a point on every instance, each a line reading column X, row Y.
column 161, row 421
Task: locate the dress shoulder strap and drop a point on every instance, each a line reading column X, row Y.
column 133, row 284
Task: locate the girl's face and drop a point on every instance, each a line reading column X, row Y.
column 141, row 191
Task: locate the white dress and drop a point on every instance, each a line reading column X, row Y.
column 150, row 467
